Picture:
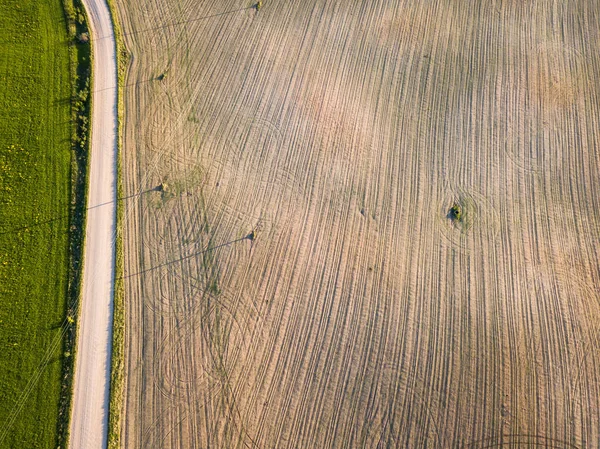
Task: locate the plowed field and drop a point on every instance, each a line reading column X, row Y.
column 296, row 275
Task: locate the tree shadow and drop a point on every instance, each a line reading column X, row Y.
column 63, row 101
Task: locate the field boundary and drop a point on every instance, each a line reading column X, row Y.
column 117, row 378
column 80, row 73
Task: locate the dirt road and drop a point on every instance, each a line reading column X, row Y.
column 90, row 395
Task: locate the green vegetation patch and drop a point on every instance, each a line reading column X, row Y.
column 37, row 220
column 455, row 212
column 117, row 377
column 463, row 213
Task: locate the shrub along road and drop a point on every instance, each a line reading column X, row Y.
column 92, row 371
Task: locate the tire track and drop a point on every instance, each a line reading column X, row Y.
column 360, row 315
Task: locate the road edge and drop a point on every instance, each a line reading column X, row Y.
column 83, row 13
column 117, row 374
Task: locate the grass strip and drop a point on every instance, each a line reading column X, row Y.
column 117, row 377
column 44, row 128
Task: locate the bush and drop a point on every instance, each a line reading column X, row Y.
column 455, row 212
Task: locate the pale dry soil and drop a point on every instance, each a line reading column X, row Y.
column 294, row 279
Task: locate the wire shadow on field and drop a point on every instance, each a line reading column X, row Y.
column 49, row 221
column 127, row 86
column 189, row 256
column 183, row 22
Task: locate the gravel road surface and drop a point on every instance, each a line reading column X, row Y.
column 92, row 372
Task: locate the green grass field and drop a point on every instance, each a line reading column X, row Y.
column 35, row 165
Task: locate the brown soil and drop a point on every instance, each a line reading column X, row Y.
column 293, row 277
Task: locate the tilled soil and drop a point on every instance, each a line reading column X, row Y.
column 362, row 224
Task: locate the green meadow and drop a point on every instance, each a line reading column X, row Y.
column 35, row 192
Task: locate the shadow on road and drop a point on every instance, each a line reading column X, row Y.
column 37, row 223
